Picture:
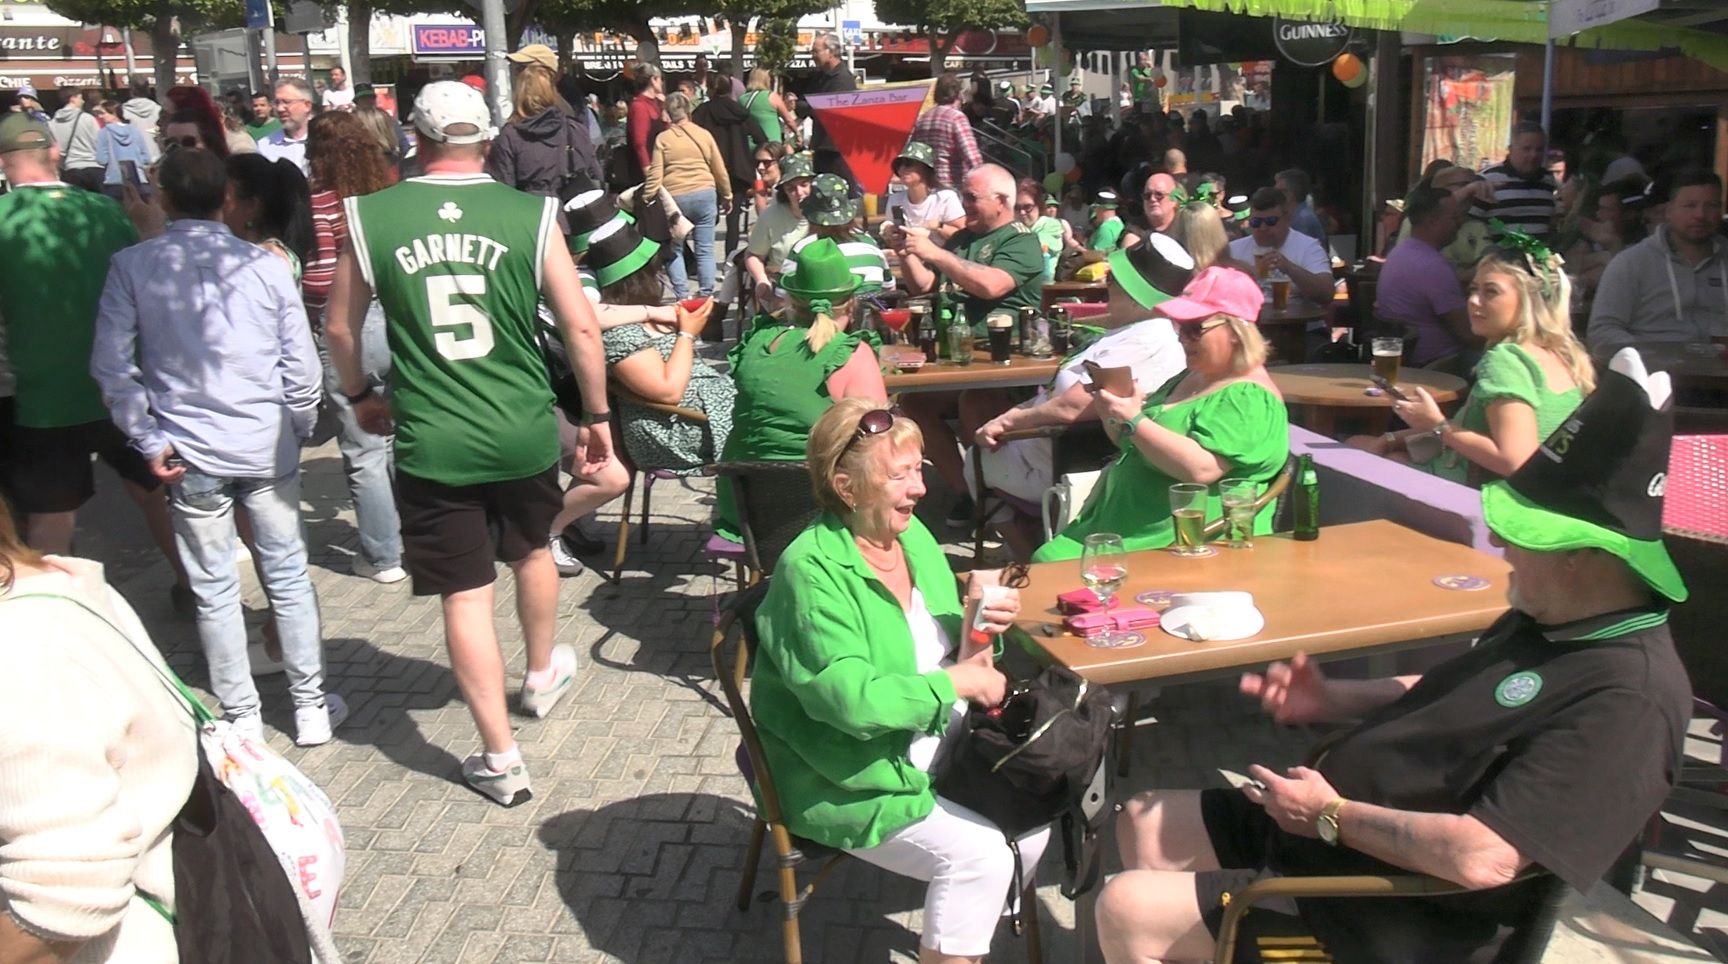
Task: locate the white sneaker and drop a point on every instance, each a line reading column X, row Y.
column 539, row 702
column 366, row 570
column 508, row 786
column 312, row 724
column 250, row 725
column 262, row 664
column 568, row 565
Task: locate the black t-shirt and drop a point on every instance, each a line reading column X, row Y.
column 1562, row 739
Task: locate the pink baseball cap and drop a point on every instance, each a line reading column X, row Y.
column 1216, row 291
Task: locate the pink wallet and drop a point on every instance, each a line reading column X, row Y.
column 1134, row 617
column 1078, row 601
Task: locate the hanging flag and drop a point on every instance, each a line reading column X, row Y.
column 870, row 126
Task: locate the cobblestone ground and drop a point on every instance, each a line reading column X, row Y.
column 631, row 848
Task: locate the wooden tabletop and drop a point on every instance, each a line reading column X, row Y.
column 982, row 373
column 1074, row 289
column 1376, row 580
column 1689, row 365
column 1298, row 312
column 1342, row 386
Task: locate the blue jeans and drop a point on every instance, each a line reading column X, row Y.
column 367, row 459
column 202, row 509
column 703, row 209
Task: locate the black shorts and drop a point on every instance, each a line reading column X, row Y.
column 452, row 534
column 1239, row 831
column 50, row 468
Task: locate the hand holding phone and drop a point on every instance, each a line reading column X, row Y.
column 1381, row 383
column 1116, row 381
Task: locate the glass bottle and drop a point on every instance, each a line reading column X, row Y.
column 1307, row 500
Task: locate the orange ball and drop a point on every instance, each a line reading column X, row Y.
column 1161, row 82
column 1348, row 67
column 1038, row 35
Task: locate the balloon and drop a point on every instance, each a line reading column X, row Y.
column 1347, row 67
column 1064, row 162
column 1053, row 182
column 1357, row 81
column 1072, row 176
column 1161, row 82
column 1038, row 36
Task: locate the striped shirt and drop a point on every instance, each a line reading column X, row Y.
column 1524, row 203
column 329, row 237
column 863, row 256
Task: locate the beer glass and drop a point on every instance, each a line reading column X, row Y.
column 1388, row 356
column 1280, row 291
column 1188, row 513
column 1001, row 326
column 1238, row 496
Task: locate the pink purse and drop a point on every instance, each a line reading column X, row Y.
column 1134, row 617
column 1077, row 601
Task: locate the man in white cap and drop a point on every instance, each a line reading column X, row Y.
column 460, row 263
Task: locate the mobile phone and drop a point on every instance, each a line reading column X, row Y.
column 1381, row 383
column 129, row 174
column 900, row 216
column 1117, row 381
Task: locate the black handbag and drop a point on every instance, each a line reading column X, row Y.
column 1040, row 758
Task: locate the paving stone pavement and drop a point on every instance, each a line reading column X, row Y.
column 630, row 850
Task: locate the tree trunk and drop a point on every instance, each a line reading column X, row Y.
column 164, row 53
column 566, row 52
column 360, row 41
column 939, row 47
column 738, row 32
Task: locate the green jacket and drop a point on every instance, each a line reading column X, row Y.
column 836, row 695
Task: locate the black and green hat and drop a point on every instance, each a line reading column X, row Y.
column 822, row 275
column 364, row 90
column 617, row 250
column 1153, row 271
column 917, row 151
column 1237, row 205
column 795, row 166
column 1104, row 201
column 586, row 212
column 1046, row 89
column 830, row 202
column 1598, row 481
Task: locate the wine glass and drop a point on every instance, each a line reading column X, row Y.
column 1103, row 568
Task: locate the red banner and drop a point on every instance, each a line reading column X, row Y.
column 869, row 127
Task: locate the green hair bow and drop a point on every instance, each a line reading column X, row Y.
column 1207, row 193
column 1538, row 258
column 821, row 306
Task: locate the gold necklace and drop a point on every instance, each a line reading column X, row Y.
column 879, row 567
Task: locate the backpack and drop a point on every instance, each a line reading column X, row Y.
column 1040, row 758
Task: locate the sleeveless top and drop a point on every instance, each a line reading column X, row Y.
column 760, row 104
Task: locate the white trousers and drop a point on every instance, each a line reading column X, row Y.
column 969, row 867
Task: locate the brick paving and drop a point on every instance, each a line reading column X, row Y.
column 631, row 848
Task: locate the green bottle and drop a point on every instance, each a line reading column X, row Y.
column 1307, row 500
column 944, row 320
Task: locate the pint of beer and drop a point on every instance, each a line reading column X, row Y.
column 1388, row 355
column 1280, row 292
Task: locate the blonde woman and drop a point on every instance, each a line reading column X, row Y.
column 790, row 368
column 544, row 149
column 687, row 163
column 1534, row 373
column 1199, row 229
column 768, row 107
column 1220, row 417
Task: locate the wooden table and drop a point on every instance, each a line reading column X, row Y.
column 1083, row 290
column 1322, row 391
column 1376, row 579
column 1287, row 331
column 982, row 373
column 1689, row 366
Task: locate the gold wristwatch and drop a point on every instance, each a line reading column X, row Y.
column 1326, row 825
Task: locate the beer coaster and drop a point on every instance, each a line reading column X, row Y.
column 1461, row 583
column 1202, row 553
column 1118, row 640
column 1156, row 598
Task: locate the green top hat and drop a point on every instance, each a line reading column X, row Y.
column 830, row 202
column 586, row 212
column 617, row 250
column 1153, row 271
column 1104, row 201
column 1046, row 89
column 822, row 276
column 795, row 166
column 1598, row 481
column 917, row 151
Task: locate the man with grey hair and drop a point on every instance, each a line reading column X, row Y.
column 294, row 109
column 831, row 77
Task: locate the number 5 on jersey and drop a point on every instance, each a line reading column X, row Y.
column 450, row 316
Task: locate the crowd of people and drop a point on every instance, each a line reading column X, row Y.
column 470, row 304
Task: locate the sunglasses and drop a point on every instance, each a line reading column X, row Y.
column 764, row 162
column 1156, row 197
column 874, row 422
column 1192, row 330
column 1267, row 221
column 1025, row 207
column 188, row 141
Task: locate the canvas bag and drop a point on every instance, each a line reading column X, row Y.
column 258, row 853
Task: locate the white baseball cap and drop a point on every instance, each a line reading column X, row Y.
column 444, row 104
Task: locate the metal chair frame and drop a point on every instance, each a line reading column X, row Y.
column 625, row 396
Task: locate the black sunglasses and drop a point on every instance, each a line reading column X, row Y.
column 874, row 422
column 1267, row 221
column 1192, row 330
column 173, row 142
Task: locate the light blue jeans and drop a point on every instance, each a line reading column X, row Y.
column 367, row 459
column 703, row 209
column 202, row 509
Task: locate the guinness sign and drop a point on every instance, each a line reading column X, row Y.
column 1310, row 43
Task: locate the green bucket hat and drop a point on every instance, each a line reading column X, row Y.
column 822, row 277
column 1153, row 271
column 830, row 203
column 917, row 151
column 795, row 166
column 617, row 250
column 1598, row 480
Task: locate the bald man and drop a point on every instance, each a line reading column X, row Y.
column 1158, row 200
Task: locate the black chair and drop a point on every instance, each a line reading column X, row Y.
column 775, row 502
column 1274, row 492
column 649, row 474
column 1079, row 447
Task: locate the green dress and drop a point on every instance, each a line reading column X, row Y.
column 656, row 440
column 1243, row 423
column 1506, row 371
column 760, row 104
column 782, row 391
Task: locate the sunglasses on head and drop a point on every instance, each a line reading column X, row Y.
column 1264, row 221
column 1192, row 330
column 874, row 422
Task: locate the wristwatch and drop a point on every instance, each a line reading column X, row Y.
column 689, row 335
column 593, row 418
column 1326, row 825
column 359, row 396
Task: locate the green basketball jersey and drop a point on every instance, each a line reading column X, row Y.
column 455, row 261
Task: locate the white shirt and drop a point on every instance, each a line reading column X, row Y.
column 930, row 649
column 279, row 145
column 1045, row 105
column 1301, row 250
column 939, row 207
column 334, row 99
column 1148, row 347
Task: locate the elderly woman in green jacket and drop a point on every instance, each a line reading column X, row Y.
column 863, row 674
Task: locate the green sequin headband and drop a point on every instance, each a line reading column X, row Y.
column 1539, row 259
column 1206, row 193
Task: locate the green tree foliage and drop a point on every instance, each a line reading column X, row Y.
column 776, row 43
column 943, row 21
column 168, row 21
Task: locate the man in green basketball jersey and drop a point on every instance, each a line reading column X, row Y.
column 459, row 263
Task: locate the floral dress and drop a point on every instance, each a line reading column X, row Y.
column 657, row 440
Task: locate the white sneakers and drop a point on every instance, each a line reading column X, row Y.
column 312, row 724
column 366, row 570
column 539, row 701
column 568, row 565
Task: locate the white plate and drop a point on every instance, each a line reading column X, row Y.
column 1221, row 625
